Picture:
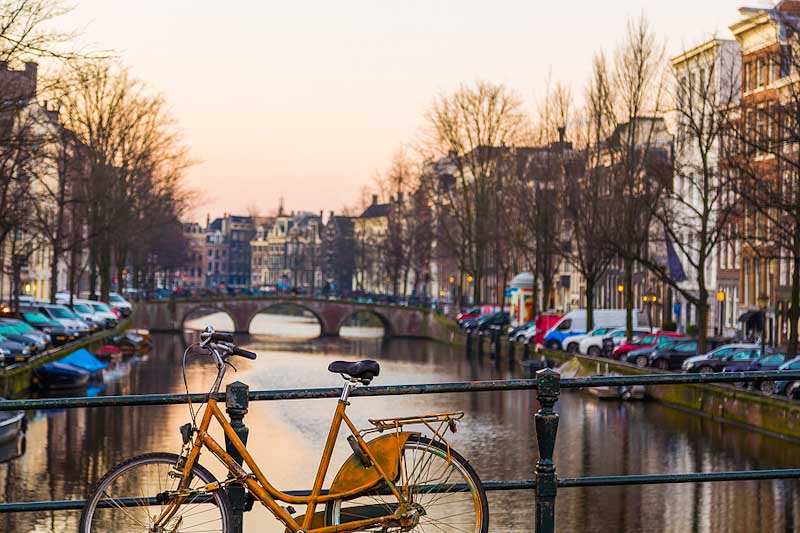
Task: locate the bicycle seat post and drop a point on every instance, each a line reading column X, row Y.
column 349, row 385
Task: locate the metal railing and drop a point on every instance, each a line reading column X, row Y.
column 548, row 384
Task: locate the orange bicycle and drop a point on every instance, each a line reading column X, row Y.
column 398, row 481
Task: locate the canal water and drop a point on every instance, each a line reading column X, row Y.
column 66, row 450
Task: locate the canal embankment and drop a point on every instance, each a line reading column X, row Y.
column 747, row 408
column 16, row 379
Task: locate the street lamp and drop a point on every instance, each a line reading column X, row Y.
column 650, row 299
column 763, row 302
column 721, row 307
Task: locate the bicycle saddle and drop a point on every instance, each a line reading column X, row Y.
column 361, row 370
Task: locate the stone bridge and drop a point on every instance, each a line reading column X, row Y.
column 398, row 321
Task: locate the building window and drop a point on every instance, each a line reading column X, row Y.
column 747, row 77
column 761, row 72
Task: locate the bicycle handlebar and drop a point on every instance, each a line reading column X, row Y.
column 243, row 353
column 216, row 336
column 209, row 336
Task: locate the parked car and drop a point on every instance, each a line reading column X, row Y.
column 542, row 324
column 788, row 388
column 33, row 342
column 84, row 312
column 105, row 311
column 604, row 344
column 516, row 331
column 650, row 339
column 574, row 323
column 120, row 304
column 26, row 329
column 641, row 356
column 89, row 312
column 672, row 356
column 472, row 314
column 717, row 358
column 17, row 352
column 68, row 319
column 58, row 333
column 500, row 319
column 572, row 344
column 768, row 362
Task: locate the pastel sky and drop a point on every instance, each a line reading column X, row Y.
column 308, row 99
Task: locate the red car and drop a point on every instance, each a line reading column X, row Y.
column 645, row 341
column 469, row 314
column 544, row 322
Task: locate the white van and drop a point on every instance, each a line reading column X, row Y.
column 574, row 323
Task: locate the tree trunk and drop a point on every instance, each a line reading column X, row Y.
column 589, row 292
column 628, row 279
column 93, row 271
column 794, row 306
column 702, row 324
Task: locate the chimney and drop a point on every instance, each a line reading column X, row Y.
column 331, row 214
column 208, row 220
column 561, row 132
column 374, row 199
column 399, row 197
column 3, row 66
column 320, row 214
column 391, row 198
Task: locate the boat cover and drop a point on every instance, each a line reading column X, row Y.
column 85, row 360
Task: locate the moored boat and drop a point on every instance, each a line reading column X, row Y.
column 85, row 360
column 58, row 375
column 12, row 423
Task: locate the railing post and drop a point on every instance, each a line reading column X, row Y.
column 511, row 348
column 546, row 421
column 236, row 403
column 526, row 350
column 480, row 344
column 469, row 343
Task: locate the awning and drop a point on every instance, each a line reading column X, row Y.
column 752, row 318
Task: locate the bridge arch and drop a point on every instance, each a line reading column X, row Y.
column 383, row 319
column 397, row 321
column 198, row 309
column 266, row 307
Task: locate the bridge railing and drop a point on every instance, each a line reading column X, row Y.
column 545, row 482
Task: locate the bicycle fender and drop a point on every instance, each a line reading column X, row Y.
column 386, row 449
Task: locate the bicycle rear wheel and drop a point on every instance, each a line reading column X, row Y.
column 444, row 489
column 124, row 500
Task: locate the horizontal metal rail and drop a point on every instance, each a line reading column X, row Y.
column 493, row 486
column 399, row 390
column 548, row 383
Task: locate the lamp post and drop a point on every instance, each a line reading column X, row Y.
column 763, row 302
column 649, row 299
column 721, row 308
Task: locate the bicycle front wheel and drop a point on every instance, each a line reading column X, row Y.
column 124, row 500
column 444, row 490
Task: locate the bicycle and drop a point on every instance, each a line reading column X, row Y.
column 398, row 481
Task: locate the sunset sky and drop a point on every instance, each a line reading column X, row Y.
column 308, row 99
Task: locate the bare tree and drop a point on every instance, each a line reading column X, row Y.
column 136, row 166
column 466, row 131
column 635, row 154
column 763, row 149
column 696, row 211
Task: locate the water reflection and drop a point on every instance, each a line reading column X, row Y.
column 68, row 449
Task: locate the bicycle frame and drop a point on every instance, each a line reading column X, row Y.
column 260, row 487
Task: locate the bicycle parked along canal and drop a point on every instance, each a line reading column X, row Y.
column 398, row 481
